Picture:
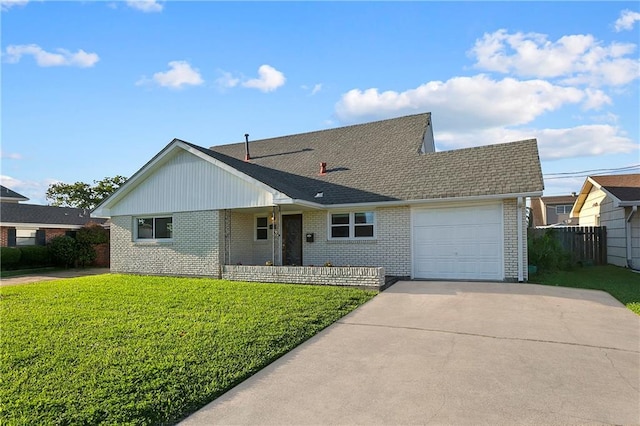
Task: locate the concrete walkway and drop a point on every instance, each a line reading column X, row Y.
column 454, row 353
column 53, row 275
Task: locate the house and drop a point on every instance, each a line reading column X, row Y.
column 553, row 210
column 374, row 194
column 30, row 224
column 612, row 201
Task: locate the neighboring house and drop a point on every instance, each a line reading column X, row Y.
column 374, row 194
column 553, row 210
column 613, row 201
column 9, row 196
column 30, row 224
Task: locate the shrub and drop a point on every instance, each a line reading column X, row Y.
column 85, row 254
column 92, row 234
column 9, row 257
column 547, row 253
column 34, row 257
column 64, row 250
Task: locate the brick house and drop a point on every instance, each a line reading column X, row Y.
column 371, row 195
column 30, row 224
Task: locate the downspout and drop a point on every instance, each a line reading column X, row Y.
column 520, row 251
column 634, row 209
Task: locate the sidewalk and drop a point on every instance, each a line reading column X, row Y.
column 53, row 275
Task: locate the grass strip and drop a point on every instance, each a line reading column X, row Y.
column 621, row 283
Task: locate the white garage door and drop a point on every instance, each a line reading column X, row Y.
column 458, row 243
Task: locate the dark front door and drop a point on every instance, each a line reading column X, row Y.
column 292, row 239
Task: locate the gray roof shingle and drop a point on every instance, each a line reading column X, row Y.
column 11, row 194
column 380, row 161
column 49, row 215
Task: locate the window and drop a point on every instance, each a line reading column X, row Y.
column 262, row 228
column 25, row 237
column 564, row 209
column 154, row 228
column 352, row 225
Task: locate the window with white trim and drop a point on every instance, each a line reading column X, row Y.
column 352, row 225
column 564, row 209
column 154, row 228
column 262, row 228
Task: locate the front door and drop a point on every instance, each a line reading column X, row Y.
column 292, row 239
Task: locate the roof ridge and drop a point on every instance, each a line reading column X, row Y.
column 368, row 123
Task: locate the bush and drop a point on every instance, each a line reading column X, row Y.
column 547, row 253
column 85, row 253
column 34, row 257
column 92, row 234
column 10, row 257
column 64, row 251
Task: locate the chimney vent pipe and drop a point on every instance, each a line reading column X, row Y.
column 247, row 157
column 323, row 168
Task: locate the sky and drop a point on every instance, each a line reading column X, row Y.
column 94, row 89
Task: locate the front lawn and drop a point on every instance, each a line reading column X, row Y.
column 621, row 283
column 122, row 349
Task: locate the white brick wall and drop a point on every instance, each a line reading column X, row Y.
column 359, row 277
column 511, row 240
column 196, row 248
column 391, row 249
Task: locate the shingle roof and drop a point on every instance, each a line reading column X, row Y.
column 380, row 161
column 9, row 193
column 50, row 215
column 623, row 187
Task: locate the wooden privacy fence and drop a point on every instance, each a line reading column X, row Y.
column 586, row 244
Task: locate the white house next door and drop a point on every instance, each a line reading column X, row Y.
column 461, row 243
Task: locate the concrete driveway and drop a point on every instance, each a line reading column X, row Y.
column 454, row 353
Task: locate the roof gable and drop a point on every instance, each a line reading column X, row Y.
column 7, row 194
column 183, row 178
column 623, row 189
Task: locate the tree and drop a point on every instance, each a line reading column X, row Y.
column 81, row 194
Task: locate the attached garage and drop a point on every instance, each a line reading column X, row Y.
column 461, row 243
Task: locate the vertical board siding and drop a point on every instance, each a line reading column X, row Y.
column 189, row 183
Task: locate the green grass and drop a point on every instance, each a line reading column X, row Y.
column 121, row 349
column 621, row 283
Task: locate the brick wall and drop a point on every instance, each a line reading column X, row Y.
column 4, row 242
column 391, row 249
column 511, row 240
column 245, row 249
column 196, row 248
column 342, row 276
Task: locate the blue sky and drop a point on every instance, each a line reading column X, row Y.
column 96, row 88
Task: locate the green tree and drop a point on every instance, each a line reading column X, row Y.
column 82, row 194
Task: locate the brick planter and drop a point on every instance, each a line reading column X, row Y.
column 319, row 275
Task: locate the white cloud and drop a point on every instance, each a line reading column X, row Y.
column 147, row 6
column 316, row 89
column 575, row 59
column 269, row 79
column 10, row 155
column 627, row 20
column 181, row 74
column 467, row 102
column 8, row 4
column 554, row 144
column 227, row 80
column 34, row 190
column 62, row 57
